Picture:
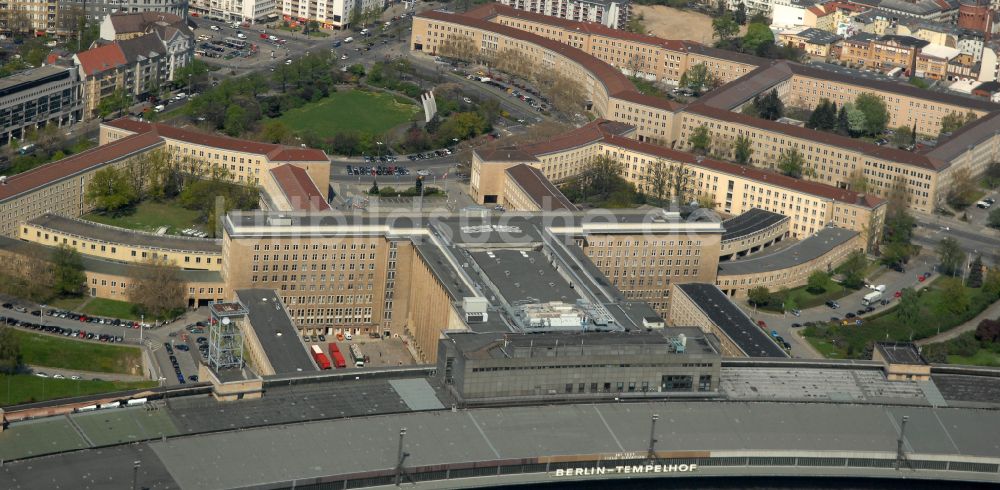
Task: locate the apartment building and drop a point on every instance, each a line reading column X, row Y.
column 609, row 13
column 237, row 10
column 330, row 14
column 40, row 17
column 32, row 99
column 938, row 62
column 242, row 161
column 817, row 43
column 96, row 10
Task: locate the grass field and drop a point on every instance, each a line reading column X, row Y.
column 69, row 304
column 366, row 112
column 804, row 299
column 149, row 216
column 57, row 352
column 24, row 388
column 110, row 308
column 839, row 341
column 982, row 358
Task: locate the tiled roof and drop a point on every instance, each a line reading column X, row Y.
column 276, row 153
column 760, row 175
column 138, row 22
column 613, row 80
column 142, row 47
column 590, row 133
column 81, row 162
column 300, row 191
column 539, row 188
column 101, row 58
column 491, row 10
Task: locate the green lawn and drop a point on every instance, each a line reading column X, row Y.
column 110, row 308
column 25, row 388
column 69, row 304
column 852, row 340
column 804, row 299
column 981, row 358
column 149, row 216
column 58, row 352
column 367, row 112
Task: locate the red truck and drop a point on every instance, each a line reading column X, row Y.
column 321, row 360
column 338, row 358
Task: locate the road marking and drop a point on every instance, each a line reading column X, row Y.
column 482, row 433
column 606, row 426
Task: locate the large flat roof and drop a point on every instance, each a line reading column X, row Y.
column 112, row 234
column 23, row 80
column 811, row 248
column 277, row 335
column 528, row 278
column 538, row 188
column 753, row 341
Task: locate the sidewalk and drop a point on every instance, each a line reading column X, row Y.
column 991, row 312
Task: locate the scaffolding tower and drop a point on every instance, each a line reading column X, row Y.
column 225, row 340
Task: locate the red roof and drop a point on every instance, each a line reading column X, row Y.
column 590, row 133
column 539, row 189
column 766, row 176
column 490, row 10
column 614, row 81
column 299, row 189
column 81, row 162
column 275, row 153
column 101, row 58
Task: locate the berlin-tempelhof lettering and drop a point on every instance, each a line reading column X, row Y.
column 620, row 470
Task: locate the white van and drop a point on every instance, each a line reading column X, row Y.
column 159, row 108
column 348, row 40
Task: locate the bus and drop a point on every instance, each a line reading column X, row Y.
column 338, row 357
column 359, row 359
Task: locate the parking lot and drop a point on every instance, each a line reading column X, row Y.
column 377, row 352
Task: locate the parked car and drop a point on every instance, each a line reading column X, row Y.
column 833, row 304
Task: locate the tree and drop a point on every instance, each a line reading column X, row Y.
column 156, row 288
column 818, row 281
column 193, row 74
column 950, row 256
column 791, row 163
column 901, row 137
column 770, row 106
column 698, row 78
column 858, row 182
column 419, row 185
column 756, row 36
column 843, row 121
column 952, row 122
column 824, row 117
column 700, row 140
column 994, row 219
column 976, row 272
column 109, row 190
column 740, row 15
column 659, row 180
column 68, row 267
column 10, row 350
column 853, row 270
column 988, row 331
column 954, row 297
column 991, row 283
column 935, row 353
column 275, row 131
column 374, row 188
column 908, row 311
column 963, row 190
column 759, row 296
column 635, row 24
column 235, row 123
column 856, row 121
column 742, row 150
column 874, row 109
column 725, row 27
column 116, row 102
column 679, row 182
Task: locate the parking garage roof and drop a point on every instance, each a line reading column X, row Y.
column 524, row 278
column 750, row 222
column 731, row 320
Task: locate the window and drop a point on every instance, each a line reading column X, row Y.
column 677, row 383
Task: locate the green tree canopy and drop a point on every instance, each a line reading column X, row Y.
column 725, row 27
column 757, row 34
column 818, row 282
column 874, row 109
column 700, row 140
column 853, row 270
column 951, row 258
column 791, row 163
column 759, row 296
column 742, row 150
column 10, row 350
column 110, row 190
column 68, row 268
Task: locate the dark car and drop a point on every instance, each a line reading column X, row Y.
column 834, row 319
column 796, row 325
column 850, row 314
column 182, row 347
column 193, row 378
column 833, row 304
column 8, row 306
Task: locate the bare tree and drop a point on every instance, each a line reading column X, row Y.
column 659, row 180
column 157, row 288
column 459, row 47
